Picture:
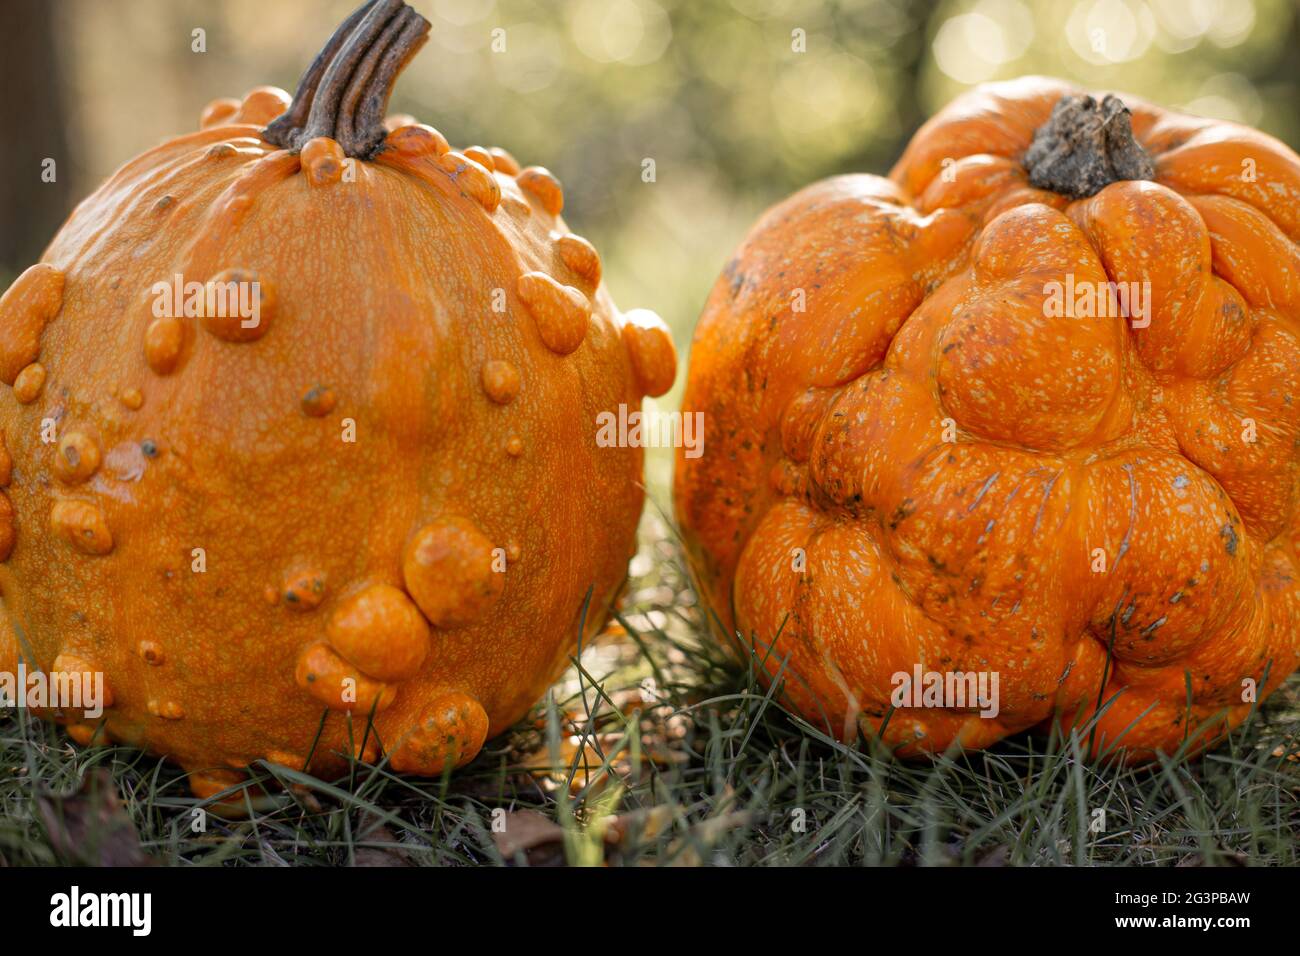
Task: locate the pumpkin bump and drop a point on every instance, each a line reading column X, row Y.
column 311, row 518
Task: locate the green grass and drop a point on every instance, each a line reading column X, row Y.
column 658, row 750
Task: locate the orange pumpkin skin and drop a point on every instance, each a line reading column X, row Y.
column 829, row 513
column 394, row 481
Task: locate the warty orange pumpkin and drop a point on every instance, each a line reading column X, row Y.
column 380, row 496
column 1027, row 408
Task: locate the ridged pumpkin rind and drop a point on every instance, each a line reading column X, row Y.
column 832, row 527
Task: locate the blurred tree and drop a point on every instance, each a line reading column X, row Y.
column 913, row 56
column 33, row 114
column 1279, row 82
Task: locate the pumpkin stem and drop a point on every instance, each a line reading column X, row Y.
column 1085, row 146
column 344, row 93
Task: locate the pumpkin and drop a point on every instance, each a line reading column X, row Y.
column 1027, row 410
column 363, row 514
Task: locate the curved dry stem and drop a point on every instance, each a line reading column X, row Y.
column 374, row 100
column 345, row 90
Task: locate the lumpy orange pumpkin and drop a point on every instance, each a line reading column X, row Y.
column 1028, row 407
column 382, row 498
